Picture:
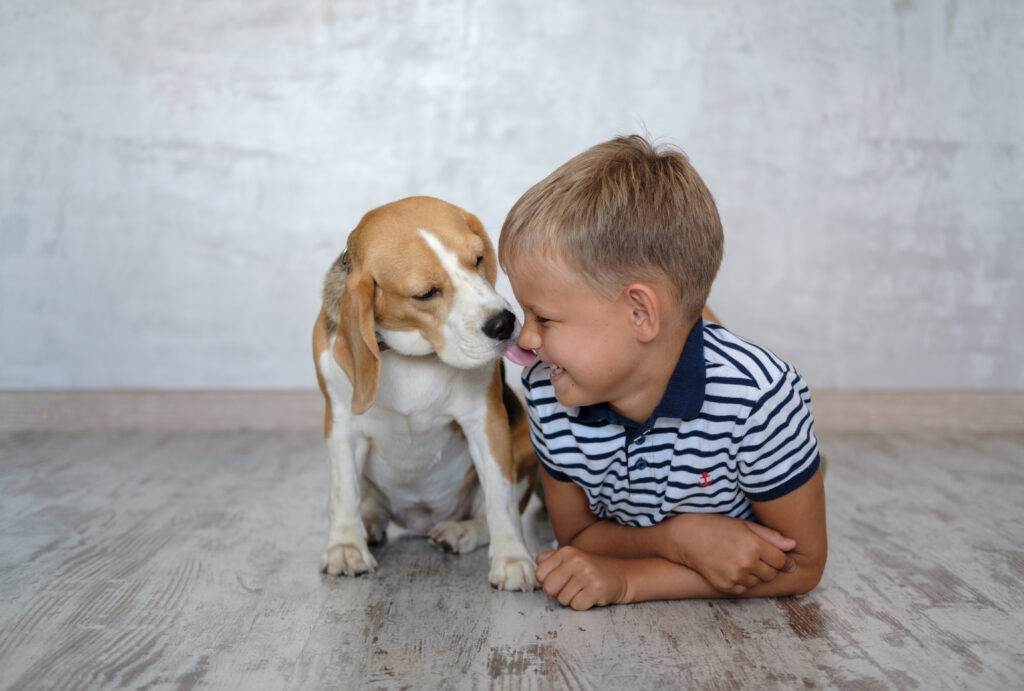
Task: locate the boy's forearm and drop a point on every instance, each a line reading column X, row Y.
column 660, row 579
column 612, row 539
column 667, row 540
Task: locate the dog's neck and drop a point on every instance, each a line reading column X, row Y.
column 382, row 346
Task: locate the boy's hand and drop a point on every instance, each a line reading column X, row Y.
column 581, row 580
column 731, row 554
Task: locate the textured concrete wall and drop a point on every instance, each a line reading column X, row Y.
column 176, row 177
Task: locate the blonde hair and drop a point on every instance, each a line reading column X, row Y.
column 619, row 212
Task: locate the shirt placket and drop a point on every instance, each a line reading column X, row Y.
column 637, row 460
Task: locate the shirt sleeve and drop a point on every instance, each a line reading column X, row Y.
column 778, row 452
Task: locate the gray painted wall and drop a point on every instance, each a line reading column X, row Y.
column 175, row 178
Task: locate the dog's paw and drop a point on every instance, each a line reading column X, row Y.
column 347, row 558
column 459, row 536
column 376, row 534
column 513, row 573
column 375, row 523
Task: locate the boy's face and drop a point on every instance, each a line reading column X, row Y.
column 584, row 337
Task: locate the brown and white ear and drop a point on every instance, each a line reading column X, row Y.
column 355, row 347
column 490, row 259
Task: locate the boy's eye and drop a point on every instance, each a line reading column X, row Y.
column 541, row 320
column 432, row 293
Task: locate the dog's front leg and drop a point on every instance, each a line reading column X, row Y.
column 512, row 567
column 346, row 551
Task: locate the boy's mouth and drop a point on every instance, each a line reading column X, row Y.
column 557, row 372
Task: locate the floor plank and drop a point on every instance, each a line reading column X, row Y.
column 133, row 559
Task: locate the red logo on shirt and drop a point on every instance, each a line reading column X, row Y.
column 705, row 480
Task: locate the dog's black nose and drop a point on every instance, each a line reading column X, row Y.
column 501, row 326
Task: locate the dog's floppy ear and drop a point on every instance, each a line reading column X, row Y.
column 490, row 260
column 355, row 347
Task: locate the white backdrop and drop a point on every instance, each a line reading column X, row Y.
column 175, row 177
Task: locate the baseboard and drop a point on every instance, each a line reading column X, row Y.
column 160, row 410
column 894, row 410
column 298, row 410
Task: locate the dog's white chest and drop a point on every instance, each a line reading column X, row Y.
column 425, row 391
column 418, row 453
column 421, row 474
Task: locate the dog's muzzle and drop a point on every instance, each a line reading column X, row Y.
column 503, row 327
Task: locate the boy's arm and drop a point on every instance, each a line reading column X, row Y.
column 800, row 515
column 581, row 580
column 730, row 553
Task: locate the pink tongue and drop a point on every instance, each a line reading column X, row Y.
column 520, row 356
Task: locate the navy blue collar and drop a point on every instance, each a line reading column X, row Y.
column 683, row 398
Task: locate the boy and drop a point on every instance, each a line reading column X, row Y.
column 678, row 460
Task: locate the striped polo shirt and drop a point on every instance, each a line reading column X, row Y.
column 734, row 426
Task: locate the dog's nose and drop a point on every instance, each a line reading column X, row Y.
column 500, row 327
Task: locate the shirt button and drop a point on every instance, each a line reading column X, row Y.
column 641, row 464
column 640, row 440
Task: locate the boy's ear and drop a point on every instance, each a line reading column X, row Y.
column 645, row 311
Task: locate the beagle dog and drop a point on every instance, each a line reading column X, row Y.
column 421, row 427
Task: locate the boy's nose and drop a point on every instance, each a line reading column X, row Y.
column 529, row 339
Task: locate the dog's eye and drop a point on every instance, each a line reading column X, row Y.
column 432, row 293
column 479, row 261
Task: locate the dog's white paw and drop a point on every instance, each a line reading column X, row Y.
column 513, row 573
column 459, row 536
column 351, row 559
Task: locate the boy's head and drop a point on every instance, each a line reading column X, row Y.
column 620, row 212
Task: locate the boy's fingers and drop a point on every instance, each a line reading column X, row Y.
column 777, row 561
column 773, row 557
column 582, row 601
column 545, row 565
column 569, row 591
column 765, row 572
column 772, row 537
column 553, row 582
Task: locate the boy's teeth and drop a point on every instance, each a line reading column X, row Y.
column 556, row 369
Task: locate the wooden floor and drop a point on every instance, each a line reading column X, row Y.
column 185, row 559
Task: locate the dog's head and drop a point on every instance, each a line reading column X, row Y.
column 417, row 277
